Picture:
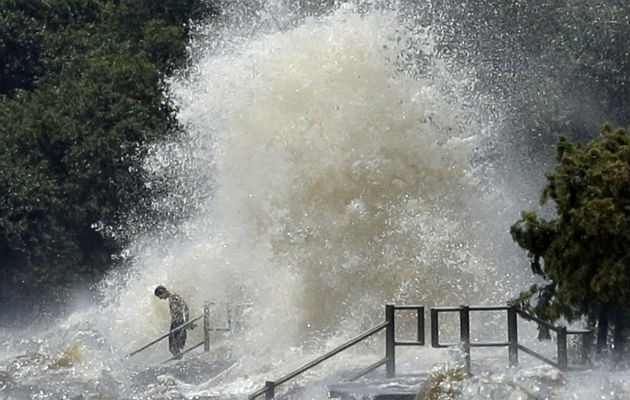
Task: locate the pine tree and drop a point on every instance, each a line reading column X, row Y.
column 584, row 253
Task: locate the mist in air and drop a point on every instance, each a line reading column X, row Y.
column 334, row 158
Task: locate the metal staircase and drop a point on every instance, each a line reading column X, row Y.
column 393, row 387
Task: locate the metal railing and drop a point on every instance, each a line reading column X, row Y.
column 389, row 325
column 177, row 329
column 562, row 332
column 206, row 330
column 512, row 343
column 389, row 360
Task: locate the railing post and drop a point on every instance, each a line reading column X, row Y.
column 512, row 336
column 435, row 329
column 270, row 390
column 228, row 310
column 587, row 343
column 421, row 325
column 390, row 341
column 464, row 333
column 206, row 327
column 562, row 348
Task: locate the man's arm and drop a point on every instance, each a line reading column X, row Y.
column 187, row 315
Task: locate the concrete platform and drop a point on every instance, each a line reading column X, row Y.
column 378, row 388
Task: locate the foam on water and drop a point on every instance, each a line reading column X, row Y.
column 325, row 169
column 334, row 182
column 338, row 183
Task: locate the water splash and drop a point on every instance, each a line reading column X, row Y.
column 338, row 182
column 334, row 159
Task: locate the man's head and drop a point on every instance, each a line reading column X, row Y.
column 161, row 292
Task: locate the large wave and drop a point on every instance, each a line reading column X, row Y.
column 332, row 160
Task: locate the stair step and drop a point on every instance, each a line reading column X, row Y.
column 399, row 388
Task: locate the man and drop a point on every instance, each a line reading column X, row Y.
column 179, row 316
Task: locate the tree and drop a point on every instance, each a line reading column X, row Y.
column 583, row 254
column 81, row 99
column 24, row 26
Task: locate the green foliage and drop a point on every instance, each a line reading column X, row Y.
column 81, row 97
column 26, row 27
column 584, row 250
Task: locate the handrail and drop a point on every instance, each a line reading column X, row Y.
column 206, row 329
column 489, row 308
column 333, row 352
column 390, row 352
column 531, row 317
column 185, row 351
column 513, row 345
column 579, row 331
column 177, row 329
column 367, row 369
column 538, row 356
column 464, row 319
column 319, row 360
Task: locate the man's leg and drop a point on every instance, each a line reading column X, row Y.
column 177, row 340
